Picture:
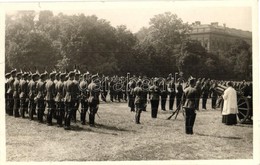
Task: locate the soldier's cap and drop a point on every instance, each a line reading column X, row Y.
column 42, row 75
column 19, row 74
column 7, row 74
column 94, row 76
column 52, row 74
column 139, row 82
column 62, row 75
column 77, row 73
column 35, row 75
column 13, row 71
column 57, row 75
column 71, row 73
column 192, row 80
column 25, row 74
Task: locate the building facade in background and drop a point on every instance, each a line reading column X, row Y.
column 215, row 38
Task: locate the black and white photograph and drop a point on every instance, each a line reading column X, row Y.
column 130, row 82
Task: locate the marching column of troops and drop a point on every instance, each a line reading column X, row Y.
column 63, row 94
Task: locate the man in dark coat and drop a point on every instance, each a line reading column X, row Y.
column 189, row 97
column 179, row 94
column 9, row 93
column 131, row 98
column 77, row 94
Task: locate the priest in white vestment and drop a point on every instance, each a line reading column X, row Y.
column 230, row 109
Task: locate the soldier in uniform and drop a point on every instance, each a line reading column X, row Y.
column 171, row 91
column 214, row 94
column 40, row 90
column 84, row 99
column 50, row 94
column 205, row 94
column 59, row 99
column 10, row 91
column 189, row 97
column 139, row 101
column 7, row 76
column 111, row 89
column 69, row 99
column 93, row 100
column 16, row 94
column 32, row 94
column 198, row 87
column 154, row 97
column 23, row 94
column 77, row 94
column 179, row 94
column 104, row 88
column 131, row 86
column 163, row 87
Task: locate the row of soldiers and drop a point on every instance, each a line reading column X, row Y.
column 60, row 93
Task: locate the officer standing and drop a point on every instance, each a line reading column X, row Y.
column 154, row 97
column 59, row 99
column 139, row 101
column 179, row 94
column 32, row 95
column 131, row 98
column 94, row 91
column 16, row 94
column 189, row 97
column 7, row 76
column 171, row 91
column 50, row 94
column 84, row 99
column 163, row 88
column 23, row 94
column 69, row 99
column 40, row 90
column 77, row 94
column 9, row 93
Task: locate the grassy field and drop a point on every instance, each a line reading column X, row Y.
column 117, row 137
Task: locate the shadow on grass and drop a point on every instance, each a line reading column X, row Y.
column 112, row 128
column 226, row 137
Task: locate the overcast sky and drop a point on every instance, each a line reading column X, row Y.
column 137, row 14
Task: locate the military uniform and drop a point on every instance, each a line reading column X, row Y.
column 205, row 94
column 171, row 91
column 69, row 99
column 59, row 100
column 23, row 95
column 16, row 93
column 84, row 100
column 40, row 90
column 93, row 100
column 131, row 98
column 163, row 89
column 139, row 102
column 189, row 97
column 50, row 95
column 179, row 94
column 32, row 95
column 9, row 93
column 154, row 97
column 77, row 94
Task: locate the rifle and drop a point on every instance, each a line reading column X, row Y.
column 176, row 112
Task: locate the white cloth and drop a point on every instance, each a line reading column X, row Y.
column 230, row 101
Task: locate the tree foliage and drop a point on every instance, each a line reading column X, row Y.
column 61, row 41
